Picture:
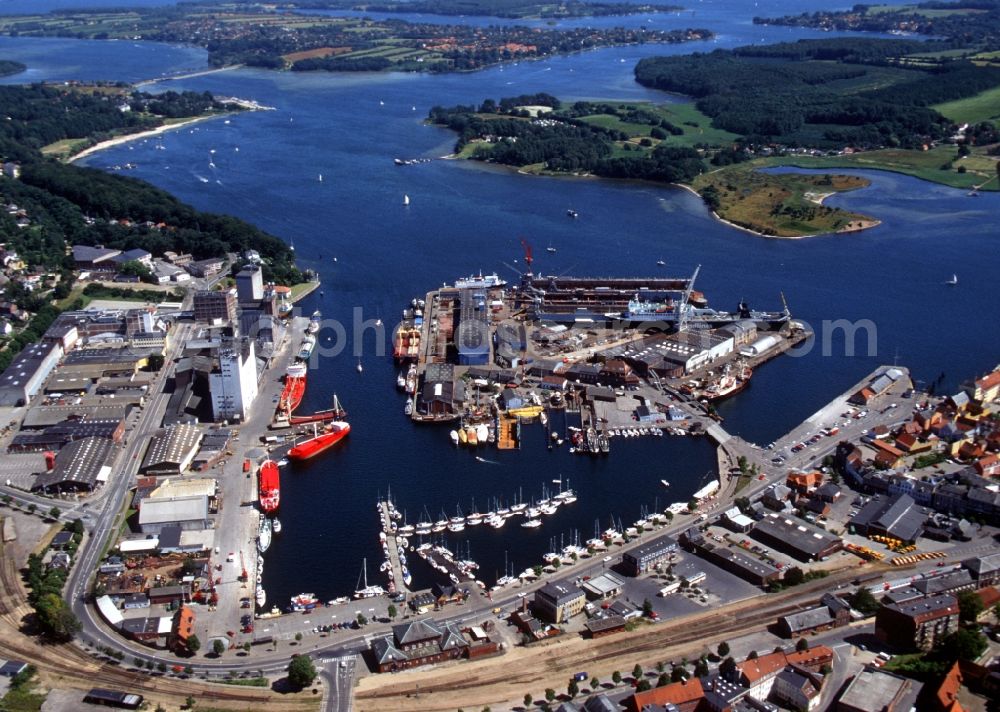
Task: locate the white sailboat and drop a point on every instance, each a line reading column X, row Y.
column 367, row 591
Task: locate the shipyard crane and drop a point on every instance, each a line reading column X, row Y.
column 243, row 565
column 684, row 307
column 527, row 253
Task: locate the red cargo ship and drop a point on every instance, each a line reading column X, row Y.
column 295, row 388
column 334, row 433
column 268, row 486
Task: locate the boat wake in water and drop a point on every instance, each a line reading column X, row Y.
column 488, row 462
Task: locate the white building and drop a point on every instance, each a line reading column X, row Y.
column 234, row 384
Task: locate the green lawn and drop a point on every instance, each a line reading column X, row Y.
column 696, row 125
column 973, row 109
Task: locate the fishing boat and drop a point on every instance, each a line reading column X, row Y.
column 360, row 367
column 572, row 214
column 269, row 487
column 472, row 436
column 660, row 263
column 314, row 321
column 482, row 433
column 264, row 535
column 550, row 248
column 411, row 379
column 401, row 381
column 463, row 437
column 321, row 441
column 454, row 437
column 408, row 407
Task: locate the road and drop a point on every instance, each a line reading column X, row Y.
column 338, row 675
column 339, row 680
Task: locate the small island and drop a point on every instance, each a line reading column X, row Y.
column 262, row 36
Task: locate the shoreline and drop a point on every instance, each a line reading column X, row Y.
column 119, row 140
column 865, row 224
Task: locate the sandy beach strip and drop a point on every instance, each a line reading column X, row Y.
column 119, row 140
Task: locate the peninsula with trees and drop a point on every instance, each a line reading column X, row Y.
column 666, row 143
column 286, row 38
column 837, row 103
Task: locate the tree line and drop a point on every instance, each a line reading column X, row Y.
column 561, row 141
column 816, row 92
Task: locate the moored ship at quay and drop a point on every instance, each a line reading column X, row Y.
column 295, row 388
column 269, row 487
column 306, row 347
column 320, row 441
column 670, row 301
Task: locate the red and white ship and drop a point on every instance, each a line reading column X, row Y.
column 269, row 487
column 321, row 441
column 733, row 380
column 295, row 388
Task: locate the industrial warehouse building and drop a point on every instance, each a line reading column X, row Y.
column 795, row 538
column 172, row 450
column 23, row 378
column 79, row 467
column 472, row 337
column 184, row 512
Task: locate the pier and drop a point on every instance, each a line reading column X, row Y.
column 443, row 561
column 390, row 546
column 507, row 433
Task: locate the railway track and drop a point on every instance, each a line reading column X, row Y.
column 76, row 668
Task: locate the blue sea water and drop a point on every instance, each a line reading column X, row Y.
column 464, row 217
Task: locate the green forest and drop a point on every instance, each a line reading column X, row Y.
column 70, row 204
column 562, row 142
column 821, row 93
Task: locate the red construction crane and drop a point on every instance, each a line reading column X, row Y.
column 527, row 253
column 243, row 565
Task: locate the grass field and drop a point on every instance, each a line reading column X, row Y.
column 926, row 165
column 696, row 125
column 973, row 109
column 785, row 205
column 64, row 148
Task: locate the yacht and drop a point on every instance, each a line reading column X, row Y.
column 531, row 523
